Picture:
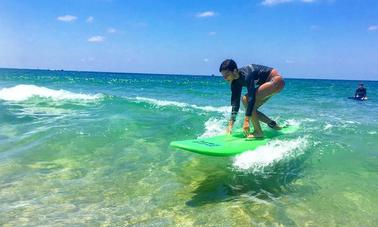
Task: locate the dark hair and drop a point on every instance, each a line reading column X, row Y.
column 228, row 64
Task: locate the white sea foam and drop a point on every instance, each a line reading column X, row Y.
column 327, row 126
column 292, row 122
column 309, row 120
column 269, row 154
column 214, row 127
column 352, row 122
column 24, row 92
column 162, row 103
column 372, row 132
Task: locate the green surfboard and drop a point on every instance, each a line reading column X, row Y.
column 228, row 145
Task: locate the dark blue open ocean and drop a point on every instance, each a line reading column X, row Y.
column 86, row 148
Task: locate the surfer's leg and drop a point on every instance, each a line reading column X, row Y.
column 263, row 94
column 262, row 117
column 255, row 120
column 274, row 85
column 270, row 122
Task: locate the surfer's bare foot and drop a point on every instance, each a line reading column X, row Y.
column 255, row 136
column 277, row 127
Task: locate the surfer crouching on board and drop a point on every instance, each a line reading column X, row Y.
column 269, row 82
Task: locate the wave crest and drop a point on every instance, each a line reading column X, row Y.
column 256, row 161
column 163, row 103
column 24, row 92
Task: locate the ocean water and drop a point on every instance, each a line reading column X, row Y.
column 86, row 148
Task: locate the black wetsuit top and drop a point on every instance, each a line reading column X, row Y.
column 360, row 92
column 248, row 76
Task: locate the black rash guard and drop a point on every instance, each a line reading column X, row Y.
column 248, row 76
column 360, row 92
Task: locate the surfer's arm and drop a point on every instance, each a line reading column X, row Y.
column 251, row 97
column 235, row 104
column 251, row 102
column 235, row 100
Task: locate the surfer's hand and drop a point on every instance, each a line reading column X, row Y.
column 230, row 126
column 246, row 126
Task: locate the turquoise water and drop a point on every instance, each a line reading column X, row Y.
column 92, row 148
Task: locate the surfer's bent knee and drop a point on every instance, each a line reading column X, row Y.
column 279, row 84
column 276, row 79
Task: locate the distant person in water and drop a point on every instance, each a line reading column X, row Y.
column 268, row 81
column 360, row 92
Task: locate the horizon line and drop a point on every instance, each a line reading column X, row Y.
column 177, row 74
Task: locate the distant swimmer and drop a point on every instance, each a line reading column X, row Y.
column 269, row 82
column 360, row 92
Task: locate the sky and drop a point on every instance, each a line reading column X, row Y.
column 334, row 39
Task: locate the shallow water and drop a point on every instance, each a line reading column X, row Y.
column 92, row 148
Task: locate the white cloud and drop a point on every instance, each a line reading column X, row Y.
column 67, row 18
column 111, row 30
column 96, row 39
column 373, row 28
column 90, row 19
column 276, row 2
column 206, row 14
column 212, row 33
column 205, row 60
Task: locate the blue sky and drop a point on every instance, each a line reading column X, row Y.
column 301, row 38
